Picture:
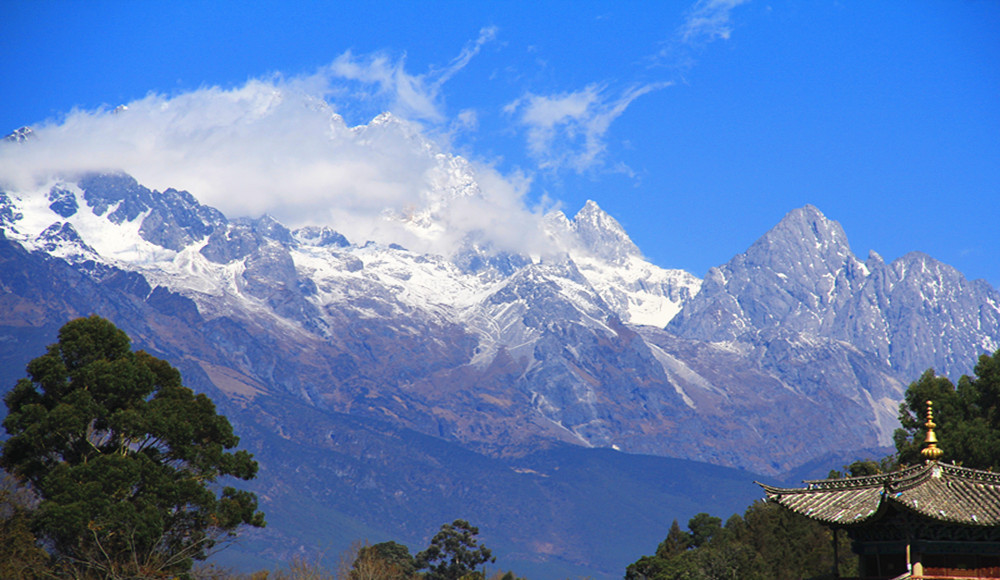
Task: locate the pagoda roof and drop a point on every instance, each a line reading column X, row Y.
column 939, row 491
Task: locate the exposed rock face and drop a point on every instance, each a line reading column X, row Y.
column 172, row 219
column 801, row 277
column 422, row 338
column 602, row 235
column 492, row 351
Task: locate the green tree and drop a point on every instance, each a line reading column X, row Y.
column 677, row 541
column 123, row 457
column 384, row 561
column 768, row 543
column 863, row 467
column 967, row 417
column 454, row 552
column 703, row 528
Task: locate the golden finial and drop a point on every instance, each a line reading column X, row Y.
column 931, row 451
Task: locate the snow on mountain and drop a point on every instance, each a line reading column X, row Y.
column 636, row 290
column 499, row 345
column 802, row 277
column 506, row 338
column 602, row 235
column 313, row 282
column 20, row 135
column 122, row 223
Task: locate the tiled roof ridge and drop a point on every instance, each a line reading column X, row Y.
column 881, row 479
column 939, row 491
column 908, row 479
column 968, row 473
column 901, row 479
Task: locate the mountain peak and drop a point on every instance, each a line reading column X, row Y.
column 795, row 276
column 602, row 235
column 803, row 236
column 810, row 223
column 20, row 135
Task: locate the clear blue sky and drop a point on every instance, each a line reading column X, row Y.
column 698, row 125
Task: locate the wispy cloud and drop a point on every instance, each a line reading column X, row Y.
column 569, row 130
column 707, row 21
column 417, row 97
column 277, row 146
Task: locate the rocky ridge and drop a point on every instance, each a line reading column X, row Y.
column 544, row 349
column 503, row 355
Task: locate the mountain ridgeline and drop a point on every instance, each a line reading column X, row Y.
column 367, row 377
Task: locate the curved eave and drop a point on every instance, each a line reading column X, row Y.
column 949, row 497
column 937, row 491
column 841, row 507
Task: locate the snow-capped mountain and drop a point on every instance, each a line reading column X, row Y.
column 578, row 333
column 499, row 351
column 801, row 277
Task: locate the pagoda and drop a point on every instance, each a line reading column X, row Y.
column 935, row 520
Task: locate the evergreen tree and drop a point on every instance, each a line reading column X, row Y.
column 454, row 553
column 967, row 418
column 123, row 457
column 677, row 541
column 384, row 561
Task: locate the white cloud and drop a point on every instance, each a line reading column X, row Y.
column 415, row 97
column 568, row 130
column 276, row 146
column 708, row 20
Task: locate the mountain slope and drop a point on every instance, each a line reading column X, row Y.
column 337, row 357
column 801, row 277
column 506, row 353
column 328, row 478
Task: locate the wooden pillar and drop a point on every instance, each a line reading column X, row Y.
column 836, row 556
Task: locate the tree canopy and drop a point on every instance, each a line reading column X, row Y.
column 772, row 542
column 454, row 552
column 767, row 542
column 383, row 561
column 125, row 460
column 967, row 417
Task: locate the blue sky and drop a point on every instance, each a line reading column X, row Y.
column 698, row 125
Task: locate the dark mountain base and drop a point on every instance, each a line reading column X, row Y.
column 564, row 512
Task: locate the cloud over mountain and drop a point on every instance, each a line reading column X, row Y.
column 277, row 146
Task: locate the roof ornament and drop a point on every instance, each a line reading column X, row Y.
column 931, row 452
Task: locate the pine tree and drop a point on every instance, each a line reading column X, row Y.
column 123, row 457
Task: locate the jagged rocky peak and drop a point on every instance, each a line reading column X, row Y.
column 921, row 268
column 477, row 255
column 602, row 235
column 387, row 123
column 806, row 254
column 173, row 219
column 20, row 135
column 874, row 261
column 321, row 236
column 557, row 222
column 106, row 190
column 806, row 233
column 795, row 276
column 931, row 314
column 271, row 229
column 241, row 237
column 62, row 239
